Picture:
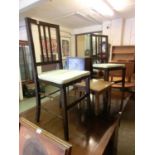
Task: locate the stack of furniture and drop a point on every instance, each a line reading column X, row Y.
column 124, row 55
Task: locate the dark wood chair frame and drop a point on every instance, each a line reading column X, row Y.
column 62, row 87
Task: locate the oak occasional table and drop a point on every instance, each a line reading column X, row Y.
column 107, row 67
column 97, row 88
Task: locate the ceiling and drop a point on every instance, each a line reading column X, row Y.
column 75, row 13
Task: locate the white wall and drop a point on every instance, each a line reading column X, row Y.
column 87, row 29
column 129, row 32
column 114, row 30
column 120, row 31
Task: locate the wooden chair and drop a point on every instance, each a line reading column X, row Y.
column 34, row 140
column 129, row 76
column 44, row 39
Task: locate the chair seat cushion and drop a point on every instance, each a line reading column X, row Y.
column 108, row 65
column 62, row 76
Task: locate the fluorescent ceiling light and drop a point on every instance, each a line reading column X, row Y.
column 99, row 6
column 120, row 5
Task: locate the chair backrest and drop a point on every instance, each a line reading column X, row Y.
column 36, row 141
column 44, row 41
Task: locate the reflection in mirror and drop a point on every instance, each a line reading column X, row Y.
column 94, row 45
column 99, row 48
column 83, row 44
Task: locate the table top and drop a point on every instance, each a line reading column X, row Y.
column 97, row 85
column 108, row 65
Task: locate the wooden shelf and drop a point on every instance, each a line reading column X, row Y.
column 126, row 53
column 123, row 52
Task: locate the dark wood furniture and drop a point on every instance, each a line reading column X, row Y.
column 34, row 140
column 107, row 67
column 88, row 136
column 94, row 45
column 99, row 48
column 44, row 40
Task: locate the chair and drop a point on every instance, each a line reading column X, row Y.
column 129, row 84
column 129, row 76
column 44, row 39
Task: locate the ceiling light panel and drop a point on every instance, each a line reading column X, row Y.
column 99, row 6
column 121, row 5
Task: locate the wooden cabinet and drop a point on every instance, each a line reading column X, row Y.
column 123, row 53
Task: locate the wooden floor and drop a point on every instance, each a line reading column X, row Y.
column 88, row 134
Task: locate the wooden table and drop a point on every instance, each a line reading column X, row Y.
column 97, row 88
column 87, row 137
column 107, row 67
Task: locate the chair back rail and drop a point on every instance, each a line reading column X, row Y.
column 46, row 42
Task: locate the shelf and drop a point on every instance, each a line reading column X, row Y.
column 123, row 52
column 120, row 53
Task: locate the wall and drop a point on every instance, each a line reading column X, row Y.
column 129, row 32
column 120, row 31
column 87, row 29
column 114, row 30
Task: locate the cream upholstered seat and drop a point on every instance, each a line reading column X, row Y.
column 108, row 65
column 62, row 76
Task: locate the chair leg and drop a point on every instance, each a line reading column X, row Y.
column 123, row 91
column 109, row 100
column 38, row 105
column 64, row 103
column 88, row 92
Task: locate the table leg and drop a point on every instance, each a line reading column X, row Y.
column 64, row 103
column 97, row 100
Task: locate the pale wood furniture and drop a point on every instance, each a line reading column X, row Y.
column 107, row 67
column 129, row 76
column 123, row 53
column 98, row 87
column 44, row 40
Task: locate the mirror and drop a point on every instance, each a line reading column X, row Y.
column 94, row 45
